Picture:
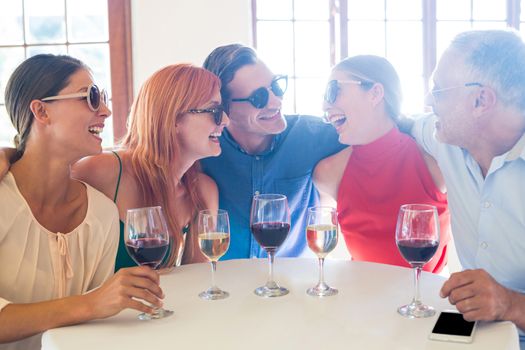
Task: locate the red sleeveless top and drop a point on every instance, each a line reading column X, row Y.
column 380, row 177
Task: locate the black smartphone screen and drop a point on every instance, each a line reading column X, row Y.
column 454, row 324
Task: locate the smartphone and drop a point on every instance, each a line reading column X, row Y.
column 451, row 326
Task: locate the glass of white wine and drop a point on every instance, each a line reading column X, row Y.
column 214, row 241
column 321, row 235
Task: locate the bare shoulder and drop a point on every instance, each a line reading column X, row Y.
column 329, row 171
column 100, row 171
column 208, row 191
column 334, row 164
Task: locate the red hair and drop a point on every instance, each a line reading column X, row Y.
column 152, row 140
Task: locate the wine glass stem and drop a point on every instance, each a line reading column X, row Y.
column 270, row 261
column 321, row 271
column 417, row 274
column 213, row 269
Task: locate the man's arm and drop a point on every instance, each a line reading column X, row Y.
column 479, row 297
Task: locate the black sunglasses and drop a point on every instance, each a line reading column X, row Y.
column 217, row 113
column 259, row 98
column 93, row 96
column 332, row 88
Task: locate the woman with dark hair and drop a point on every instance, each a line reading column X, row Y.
column 176, row 119
column 383, row 169
column 58, row 236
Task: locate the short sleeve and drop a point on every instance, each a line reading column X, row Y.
column 322, row 138
column 423, row 131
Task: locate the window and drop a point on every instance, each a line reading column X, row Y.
column 79, row 28
column 412, row 34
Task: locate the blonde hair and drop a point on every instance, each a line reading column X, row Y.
column 152, row 140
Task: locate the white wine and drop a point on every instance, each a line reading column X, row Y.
column 322, row 238
column 214, row 244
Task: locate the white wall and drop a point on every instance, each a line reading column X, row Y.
column 173, row 31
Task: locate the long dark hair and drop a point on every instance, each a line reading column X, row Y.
column 37, row 77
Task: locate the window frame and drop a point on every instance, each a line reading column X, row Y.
column 121, row 65
column 338, row 21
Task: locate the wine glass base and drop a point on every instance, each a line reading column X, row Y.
column 416, row 310
column 321, row 292
column 214, row 294
column 267, row 292
column 158, row 313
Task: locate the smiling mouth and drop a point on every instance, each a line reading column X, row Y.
column 337, row 120
column 270, row 117
column 215, row 136
column 96, row 130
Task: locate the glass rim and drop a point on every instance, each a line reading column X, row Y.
column 322, row 208
column 419, row 207
column 213, row 212
column 268, row 196
column 131, row 210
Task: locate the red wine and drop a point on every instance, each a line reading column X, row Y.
column 270, row 235
column 417, row 251
column 147, row 251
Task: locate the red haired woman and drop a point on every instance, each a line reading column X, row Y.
column 175, row 120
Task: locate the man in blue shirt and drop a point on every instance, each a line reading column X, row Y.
column 262, row 150
column 477, row 138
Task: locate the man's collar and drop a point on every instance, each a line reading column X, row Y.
column 517, row 151
column 229, row 138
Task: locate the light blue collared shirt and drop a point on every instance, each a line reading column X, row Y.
column 487, row 214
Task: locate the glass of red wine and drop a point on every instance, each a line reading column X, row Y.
column 270, row 224
column 147, row 242
column 321, row 235
column 417, row 238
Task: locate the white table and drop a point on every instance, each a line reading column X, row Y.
column 362, row 316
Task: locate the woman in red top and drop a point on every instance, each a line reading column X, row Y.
column 383, row 169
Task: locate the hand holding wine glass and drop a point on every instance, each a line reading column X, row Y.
column 321, row 235
column 417, row 238
column 214, row 240
column 147, row 242
column 270, row 224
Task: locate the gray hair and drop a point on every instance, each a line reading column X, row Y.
column 495, row 58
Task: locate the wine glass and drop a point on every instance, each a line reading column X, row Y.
column 270, row 224
column 147, row 241
column 417, row 238
column 214, row 240
column 321, row 235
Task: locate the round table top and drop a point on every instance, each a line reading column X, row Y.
column 363, row 315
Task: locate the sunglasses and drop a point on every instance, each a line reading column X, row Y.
column 93, row 95
column 332, row 88
column 260, row 97
column 217, row 113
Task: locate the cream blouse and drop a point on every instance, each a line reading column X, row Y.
column 38, row 265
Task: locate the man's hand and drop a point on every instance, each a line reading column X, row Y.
column 478, row 296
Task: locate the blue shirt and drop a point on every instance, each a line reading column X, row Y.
column 285, row 168
column 487, row 214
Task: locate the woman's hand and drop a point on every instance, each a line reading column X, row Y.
column 121, row 290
